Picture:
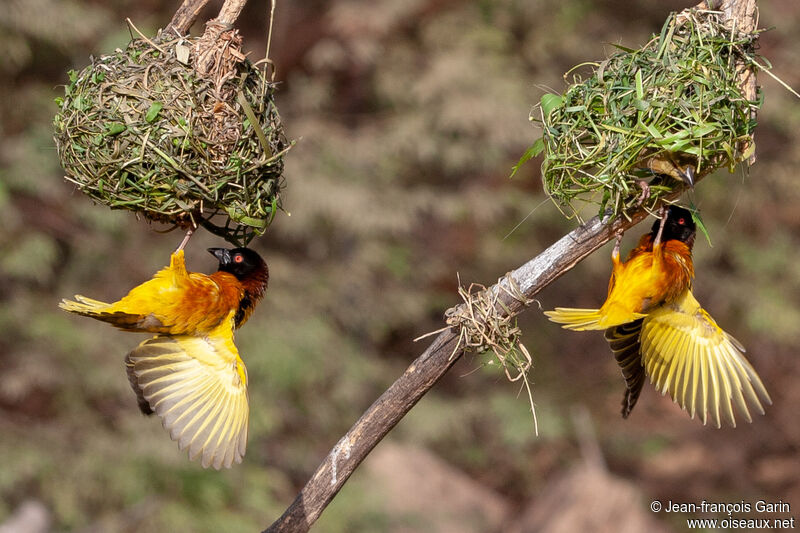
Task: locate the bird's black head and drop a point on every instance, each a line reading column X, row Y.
column 679, row 226
column 241, row 262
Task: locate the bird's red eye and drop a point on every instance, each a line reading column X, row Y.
column 681, row 221
column 238, row 258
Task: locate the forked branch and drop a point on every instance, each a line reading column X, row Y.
column 187, row 14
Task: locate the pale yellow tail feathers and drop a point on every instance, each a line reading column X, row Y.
column 575, row 319
column 110, row 313
column 83, row 305
column 590, row 319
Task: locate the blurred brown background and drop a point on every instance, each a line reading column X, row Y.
column 409, row 116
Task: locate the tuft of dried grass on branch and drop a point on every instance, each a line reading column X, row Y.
column 178, row 130
column 675, row 102
column 486, row 324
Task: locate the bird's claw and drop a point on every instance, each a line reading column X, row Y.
column 617, row 241
column 645, row 194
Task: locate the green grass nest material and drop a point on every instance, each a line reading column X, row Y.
column 139, row 129
column 677, row 97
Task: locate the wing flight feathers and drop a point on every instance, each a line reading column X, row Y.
column 198, row 387
column 686, row 353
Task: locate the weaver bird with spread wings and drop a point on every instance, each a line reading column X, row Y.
column 655, row 326
column 190, row 374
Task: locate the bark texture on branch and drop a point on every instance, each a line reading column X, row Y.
column 742, row 15
column 437, row 359
column 429, row 367
column 230, row 11
column 366, row 433
column 186, row 15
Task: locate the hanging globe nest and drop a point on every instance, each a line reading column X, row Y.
column 674, row 103
column 178, row 130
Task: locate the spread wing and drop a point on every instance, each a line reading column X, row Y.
column 685, row 352
column 198, row 386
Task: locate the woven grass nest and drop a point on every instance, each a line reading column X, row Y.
column 178, row 130
column 675, row 100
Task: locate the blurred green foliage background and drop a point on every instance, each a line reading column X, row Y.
column 409, row 117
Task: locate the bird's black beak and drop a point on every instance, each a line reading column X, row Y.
column 223, row 255
column 688, row 176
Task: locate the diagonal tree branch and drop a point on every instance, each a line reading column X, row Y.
column 429, row 367
column 443, row 352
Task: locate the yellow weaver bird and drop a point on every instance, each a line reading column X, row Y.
column 655, row 326
column 191, row 374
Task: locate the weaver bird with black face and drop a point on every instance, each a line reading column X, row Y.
column 191, row 374
column 655, row 326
